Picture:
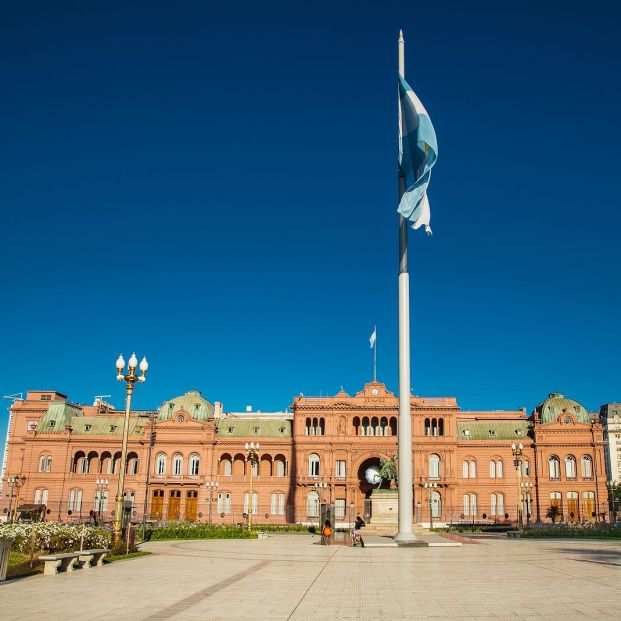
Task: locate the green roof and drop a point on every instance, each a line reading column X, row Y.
column 492, row 430
column 191, row 402
column 557, row 404
column 254, row 428
column 59, row 414
column 105, row 426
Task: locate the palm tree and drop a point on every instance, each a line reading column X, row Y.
column 389, row 470
column 552, row 513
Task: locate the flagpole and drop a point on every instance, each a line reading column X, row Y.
column 375, row 355
column 406, row 501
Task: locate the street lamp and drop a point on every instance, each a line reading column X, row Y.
column 252, row 455
column 321, row 485
column 430, row 486
column 612, row 501
column 102, row 490
column 526, row 487
column 210, row 485
column 15, row 483
column 517, row 450
column 130, row 378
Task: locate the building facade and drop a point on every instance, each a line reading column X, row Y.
column 187, row 460
column 610, row 415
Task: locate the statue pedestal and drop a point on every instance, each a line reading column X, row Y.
column 385, row 507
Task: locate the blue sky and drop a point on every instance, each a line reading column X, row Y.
column 215, row 187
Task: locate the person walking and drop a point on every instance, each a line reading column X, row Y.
column 356, row 534
column 326, row 533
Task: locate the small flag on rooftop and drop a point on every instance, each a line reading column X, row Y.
column 373, row 337
column 418, row 151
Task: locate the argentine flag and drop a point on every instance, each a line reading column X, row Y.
column 418, row 151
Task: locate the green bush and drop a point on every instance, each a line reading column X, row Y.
column 573, row 532
column 282, row 528
column 192, row 530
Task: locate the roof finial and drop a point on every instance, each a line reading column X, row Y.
column 401, row 39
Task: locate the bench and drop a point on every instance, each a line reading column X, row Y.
column 513, row 534
column 69, row 561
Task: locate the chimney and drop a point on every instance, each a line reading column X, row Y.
column 217, row 413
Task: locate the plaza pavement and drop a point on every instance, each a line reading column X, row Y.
column 288, row 577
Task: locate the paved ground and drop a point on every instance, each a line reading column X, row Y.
column 287, row 577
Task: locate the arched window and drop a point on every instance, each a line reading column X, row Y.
column 570, row 467
column 313, row 465
column 495, row 469
column 470, row 504
column 434, row 427
column 427, row 426
column 314, row 427
column 587, row 466
column 554, row 467
column 366, row 427
column 472, row 466
column 436, row 504
column 177, row 465
column 312, row 504
column 526, row 468
column 160, row 464
column 322, row 427
column 279, row 464
column 356, row 425
column 307, row 428
column 105, row 463
column 195, row 462
column 441, row 426
column 75, row 500
column 132, row 463
column 497, row 504
column 384, row 426
column 434, row 466
column 225, row 467
column 375, row 427
column 394, row 426
column 40, row 497
column 45, row 463
column 224, row 502
column 465, row 469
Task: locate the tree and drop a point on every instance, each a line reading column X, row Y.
column 552, row 513
column 389, row 470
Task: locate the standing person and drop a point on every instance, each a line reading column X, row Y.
column 326, row 532
column 357, row 534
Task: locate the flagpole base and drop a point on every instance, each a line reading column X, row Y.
column 407, row 539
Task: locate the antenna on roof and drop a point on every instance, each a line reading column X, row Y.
column 14, row 396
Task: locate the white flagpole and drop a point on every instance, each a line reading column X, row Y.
column 406, row 500
column 375, row 354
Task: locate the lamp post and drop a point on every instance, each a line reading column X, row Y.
column 612, row 501
column 15, row 483
column 252, row 455
column 526, row 487
column 431, row 487
column 517, row 450
column 102, row 489
column 130, row 378
column 210, row 485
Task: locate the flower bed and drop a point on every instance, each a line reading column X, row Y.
column 53, row 537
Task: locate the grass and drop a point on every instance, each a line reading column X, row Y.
column 19, row 565
column 201, row 531
column 123, row 557
column 557, row 532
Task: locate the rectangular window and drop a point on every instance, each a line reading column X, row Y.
column 75, row 500
column 274, row 504
column 46, row 397
column 339, row 508
column 281, row 504
column 340, row 468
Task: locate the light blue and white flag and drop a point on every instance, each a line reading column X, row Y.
column 418, row 151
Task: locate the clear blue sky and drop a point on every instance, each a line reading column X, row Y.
column 216, row 187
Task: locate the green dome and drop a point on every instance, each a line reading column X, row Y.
column 557, row 404
column 192, row 403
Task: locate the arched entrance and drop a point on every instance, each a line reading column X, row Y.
column 365, row 489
